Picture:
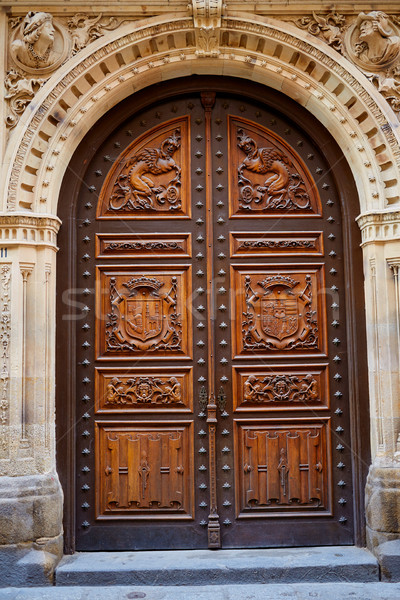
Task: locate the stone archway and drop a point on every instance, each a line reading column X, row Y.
column 127, row 60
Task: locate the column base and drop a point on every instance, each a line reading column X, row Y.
column 31, row 542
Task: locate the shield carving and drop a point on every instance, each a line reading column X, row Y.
column 143, row 316
column 279, row 317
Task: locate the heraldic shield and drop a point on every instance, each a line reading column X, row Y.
column 143, row 315
column 279, row 316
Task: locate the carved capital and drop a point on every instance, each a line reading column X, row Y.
column 207, row 16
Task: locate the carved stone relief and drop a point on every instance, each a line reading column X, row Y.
column 371, row 41
column 5, row 334
column 39, row 44
column 207, row 22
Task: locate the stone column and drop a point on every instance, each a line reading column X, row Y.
column 30, row 492
column 380, row 241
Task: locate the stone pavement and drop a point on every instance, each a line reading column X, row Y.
column 291, row 591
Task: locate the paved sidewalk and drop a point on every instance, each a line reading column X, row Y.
column 297, row 591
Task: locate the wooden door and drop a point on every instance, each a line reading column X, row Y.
column 211, row 340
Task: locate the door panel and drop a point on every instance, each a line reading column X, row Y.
column 211, row 344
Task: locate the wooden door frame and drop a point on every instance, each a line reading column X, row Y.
column 65, row 366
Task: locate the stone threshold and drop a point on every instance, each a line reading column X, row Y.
column 222, row 567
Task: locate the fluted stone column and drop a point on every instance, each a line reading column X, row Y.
column 380, row 235
column 30, row 492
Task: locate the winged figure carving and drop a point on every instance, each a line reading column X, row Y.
column 136, row 190
column 281, row 188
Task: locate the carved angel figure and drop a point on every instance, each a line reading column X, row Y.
column 378, row 42
column 136, row 190
column 35, row 49
column 263, row 160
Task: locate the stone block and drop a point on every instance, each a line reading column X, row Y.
column 388, row 555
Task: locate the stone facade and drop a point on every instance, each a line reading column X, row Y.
column 63, row 70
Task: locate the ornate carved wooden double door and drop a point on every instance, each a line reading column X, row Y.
column 212, row 344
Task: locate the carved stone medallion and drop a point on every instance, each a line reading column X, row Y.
column 373, row 41
column 39, row 44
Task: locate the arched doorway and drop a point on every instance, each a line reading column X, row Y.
column 208, row 297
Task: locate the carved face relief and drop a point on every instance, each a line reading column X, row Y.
column 373, row 42
column 39, row 45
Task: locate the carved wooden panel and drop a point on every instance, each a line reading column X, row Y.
column 278, row 309
column 275, row 387
column 144, row 471
column 149, row 390
column 150, row 178
column 266, row 177
column 282, row 467
column 275, row 243
column 146, row 245
column 143, row 311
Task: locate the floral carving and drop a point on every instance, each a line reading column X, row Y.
column 136, row 191
column 281, row 190
column 280, row 388
column 371, row 42
column 144, row 390
column 207, row 23
column 5, row 333
column 84, row 29
column 19, row 93
column 328, row 28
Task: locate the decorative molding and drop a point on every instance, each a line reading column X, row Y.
column 25, row 269
column 5, row 335
column 379, row 227
column 207, row 24
column 23, row 160
column 29, row 230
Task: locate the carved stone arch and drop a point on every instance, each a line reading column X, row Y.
column 138, row 55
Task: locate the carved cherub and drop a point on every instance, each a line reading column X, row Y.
column 263, row 160
column 35, row 49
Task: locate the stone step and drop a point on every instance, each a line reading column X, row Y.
column 289, row 591
column 222, row 567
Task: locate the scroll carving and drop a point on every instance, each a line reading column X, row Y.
column 266, row 243
column 5, row 334
column 19, row 93
column 144, row 390
column 84, row 29
column 371, row 41
column 283, row 468
column 280, row 313
column 145, row 472
column 280, row 388
column 288, row 388
column 143, row 244
column 207, row 23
